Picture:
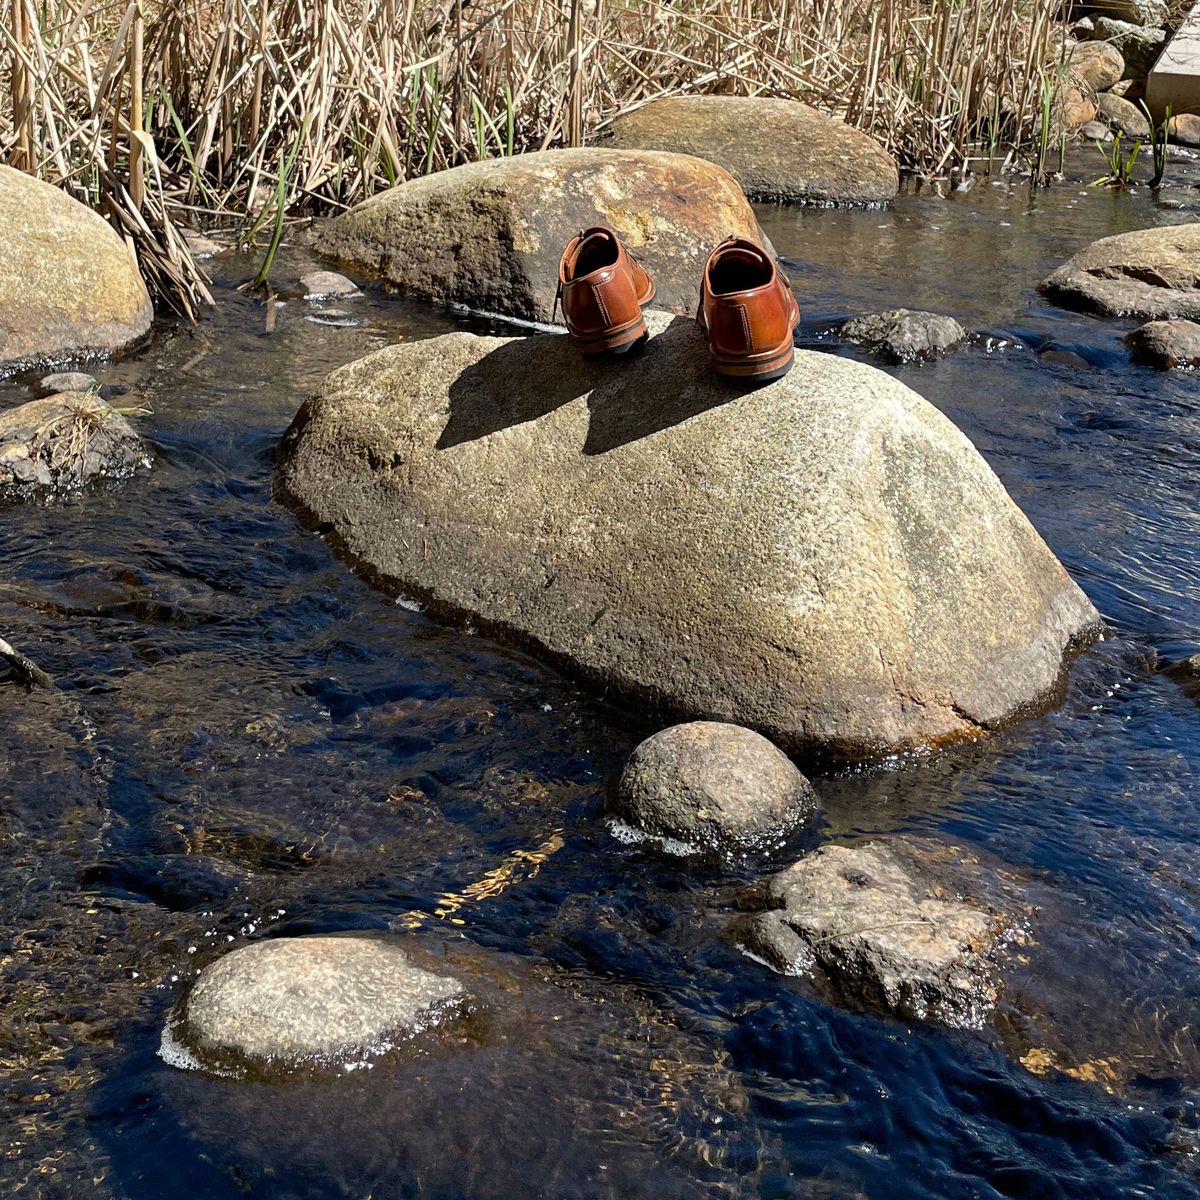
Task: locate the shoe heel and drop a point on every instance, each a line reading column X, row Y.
column 617, row 343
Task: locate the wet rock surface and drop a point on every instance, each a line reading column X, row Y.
column 68, row 381
column 544, row 1061
column 293, row 1002
column 903, row 336
column 68, row 284
column 712, row 786
column 716, row 555
column 1148, row 273
column 63, row 442
column 489, row 235
column 778, row 150
column 884, row 930
column 1166, row 343
column 327, row 285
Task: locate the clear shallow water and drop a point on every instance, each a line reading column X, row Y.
column 249, row 739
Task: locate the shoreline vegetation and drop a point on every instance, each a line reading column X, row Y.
column 165, row 114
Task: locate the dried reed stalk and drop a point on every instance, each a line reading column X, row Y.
column 374, row 92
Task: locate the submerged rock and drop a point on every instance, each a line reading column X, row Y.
column 1149, row 273
column 708, row 785
column 1097, row 65
column 294, row 1002
column 68, row 283
column 902, row 335
column 490, row 234
column 827, row 559
column 68, row 381
column 200, row 246
column 1166, row 343
column 327, row 285
column 776, row 149
column 62, row 442
column 1120, row 114
column 883, row 932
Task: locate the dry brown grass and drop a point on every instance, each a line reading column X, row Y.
column 366, row 93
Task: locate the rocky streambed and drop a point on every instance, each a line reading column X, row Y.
column 250, row 741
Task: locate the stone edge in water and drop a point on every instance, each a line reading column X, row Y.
column 228, row 1062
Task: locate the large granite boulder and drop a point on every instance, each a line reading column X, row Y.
column 298, row 1002
column 827, row 559
column 62, row 442
column 68, row 283
column 1148, row 273
column 776, row 149
column 489, row 235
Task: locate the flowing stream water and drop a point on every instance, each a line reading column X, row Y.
column 247, row 739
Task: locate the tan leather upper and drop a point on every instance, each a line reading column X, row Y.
column 747, row 306
column 603, row 289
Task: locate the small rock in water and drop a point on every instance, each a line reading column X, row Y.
column 1166, row 343
column 201, row 246
column 68, row 381
column 1149, row 273
column 1184, row 130
column 304, row 1001
column 903, row 335
column 327, row 285
column 712, row 786
column 1095, row 131
column 338, row 317
column 1122, row 115
column 885, row 927
column 62, row 442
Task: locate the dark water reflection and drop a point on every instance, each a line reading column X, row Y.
column 248, row 739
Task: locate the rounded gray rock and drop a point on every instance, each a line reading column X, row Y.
column 295, row 1001
column 776, row 149
column 327, row 285
column 489, row 234
column 1120, row 114
column 827, row 559
column 68, row 283
column 1166, row 343
column 712, row 786
column 1148, row 273
column 68, row 381
column 903, row 335
column 62, row 442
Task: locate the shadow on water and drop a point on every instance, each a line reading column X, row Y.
column 248, row 741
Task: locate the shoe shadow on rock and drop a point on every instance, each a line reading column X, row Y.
column 660, row 383
column 670, row 381
column 519, row 381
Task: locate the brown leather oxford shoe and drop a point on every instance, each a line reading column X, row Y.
column 603, row 292
column 748, row 310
